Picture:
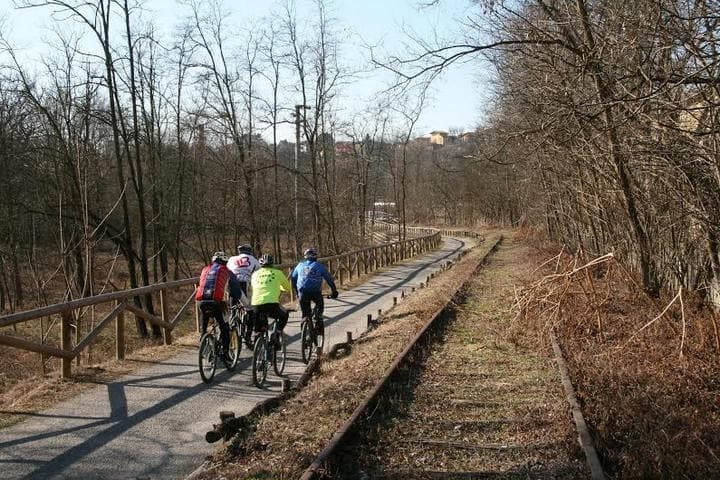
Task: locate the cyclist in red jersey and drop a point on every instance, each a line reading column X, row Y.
column 210, row 295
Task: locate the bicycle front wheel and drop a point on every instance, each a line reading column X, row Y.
column 307, row 343
column 207, row 357
column 260, row 361
column 319, row 338
column 279, row 354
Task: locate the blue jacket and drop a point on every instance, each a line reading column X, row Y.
column 308, row 276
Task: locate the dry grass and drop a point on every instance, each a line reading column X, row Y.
column 286, row 441
column 647, row 380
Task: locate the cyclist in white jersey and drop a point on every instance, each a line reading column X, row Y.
column 242, row 267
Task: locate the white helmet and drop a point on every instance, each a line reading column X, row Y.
column 220, row 257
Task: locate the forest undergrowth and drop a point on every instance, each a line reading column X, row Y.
column 645, row 369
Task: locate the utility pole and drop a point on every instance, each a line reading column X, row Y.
column 298, row 229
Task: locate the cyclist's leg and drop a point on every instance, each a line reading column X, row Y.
column 274, row 310
column 283, row 316
column 304, row 301
column 250, row 317
column 318, row 313
column 224, row 329
column 205, row 311
column 260, row 320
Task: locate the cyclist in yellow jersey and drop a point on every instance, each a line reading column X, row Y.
column 268, row 284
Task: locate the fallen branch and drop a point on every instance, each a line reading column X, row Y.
column 667, row 307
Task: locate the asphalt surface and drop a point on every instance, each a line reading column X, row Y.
column 151, row 424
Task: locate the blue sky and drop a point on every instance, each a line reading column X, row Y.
column 456, row 97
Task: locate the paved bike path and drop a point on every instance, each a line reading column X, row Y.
column 151, row 424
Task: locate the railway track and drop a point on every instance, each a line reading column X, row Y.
column 440, row 411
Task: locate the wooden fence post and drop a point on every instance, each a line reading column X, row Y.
column 65, row 342
column 197, row 314
column 167, row 333
column 120, row 334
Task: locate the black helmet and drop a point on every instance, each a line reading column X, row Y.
column 310, row 253
column 245, row 248
column 266, row 260
column 220, row 257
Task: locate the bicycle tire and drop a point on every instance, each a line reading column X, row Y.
column 279, row 364
column 319, row 339
column 260, row 361
column 234, row 348
column 245, row 328
column 307, row 344
column 207, row 357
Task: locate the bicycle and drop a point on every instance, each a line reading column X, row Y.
column 210, row 349
column 270, row 347
column 240, row 321
column 310, row 338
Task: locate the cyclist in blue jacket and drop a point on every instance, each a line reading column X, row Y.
column 307, row 279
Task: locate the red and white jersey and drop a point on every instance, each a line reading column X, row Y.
column 242, row 266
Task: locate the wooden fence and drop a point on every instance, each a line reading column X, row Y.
column 344, row 267
column 419, row 231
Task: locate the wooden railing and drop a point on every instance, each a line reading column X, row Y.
column 447, row 232
column 344, row 267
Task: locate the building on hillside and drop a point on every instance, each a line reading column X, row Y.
column 438, row 137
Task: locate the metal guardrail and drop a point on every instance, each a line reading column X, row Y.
column 344, row 267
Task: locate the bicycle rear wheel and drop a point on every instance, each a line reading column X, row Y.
column 207, row 357
column 260, row 361
column 279, row 354
column 234, row 347
column 307, row 344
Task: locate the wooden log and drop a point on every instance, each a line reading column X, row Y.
column 65, row 343
column 119, row 307
column 198, row 326
column 463, row 445
column 45, row 349
column 154, row 319
column 87, row 301
column 181, row 312
column 120, row 335
column 165, row 315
